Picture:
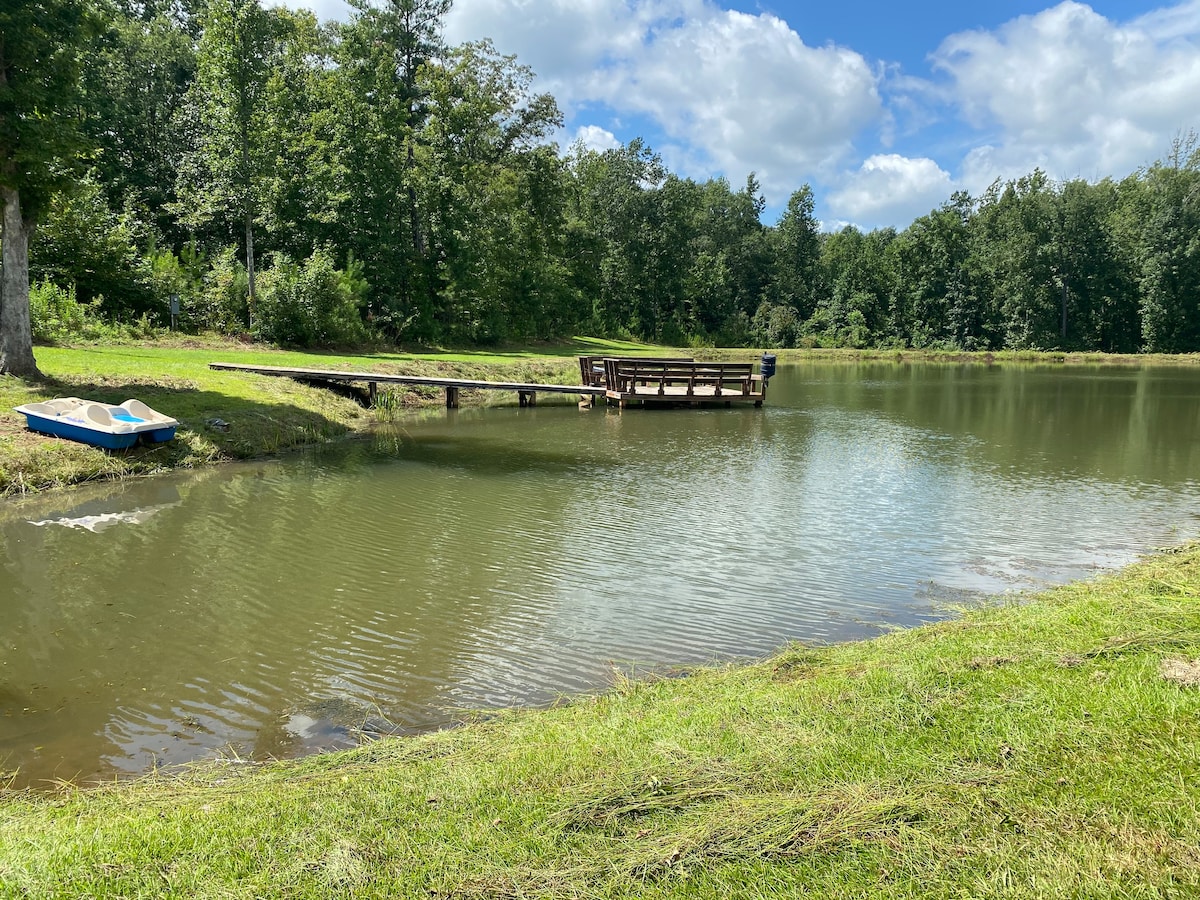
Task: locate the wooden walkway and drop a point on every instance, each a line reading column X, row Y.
column 526, row 393
column 622, row 380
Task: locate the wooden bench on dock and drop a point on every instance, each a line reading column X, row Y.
column 681, row 381
column 593, row 372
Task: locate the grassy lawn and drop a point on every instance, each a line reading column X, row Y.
column 1044, row 749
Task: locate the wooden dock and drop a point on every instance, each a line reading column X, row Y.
column 526, row 393
column 621, row 380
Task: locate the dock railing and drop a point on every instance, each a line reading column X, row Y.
column 678, row 378
column 593, row 370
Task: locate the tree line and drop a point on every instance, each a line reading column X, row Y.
column 341, row 183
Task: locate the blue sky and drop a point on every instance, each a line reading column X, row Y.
column 885, row 108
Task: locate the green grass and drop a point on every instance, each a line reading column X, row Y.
column 1044, row 749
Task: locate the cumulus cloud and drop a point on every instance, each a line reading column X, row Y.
column 749, row 92
column 1073, row 92
column 891, row 189
column 325, row 10
column 595, row 138
column 738, row 92
column 565, row 41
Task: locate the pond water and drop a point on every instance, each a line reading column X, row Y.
column 483, row 558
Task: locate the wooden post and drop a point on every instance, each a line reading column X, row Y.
column 372, row 391
column 451, row 397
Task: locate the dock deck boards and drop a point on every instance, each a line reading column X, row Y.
column 678, row 393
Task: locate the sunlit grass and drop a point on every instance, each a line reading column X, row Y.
column 1040, row 749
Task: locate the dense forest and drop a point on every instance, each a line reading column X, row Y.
column 339, row 183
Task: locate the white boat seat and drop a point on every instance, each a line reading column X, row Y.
column 94, row 412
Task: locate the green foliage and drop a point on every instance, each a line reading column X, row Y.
column 85, row 244
column 776, row 325
column 135, row 82
column 57, row 315
column 1164, row 248
column 40, row 98
column 181, row 275
column 312, row 303
column 223, row 303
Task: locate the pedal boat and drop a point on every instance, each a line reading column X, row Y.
column 99, row 424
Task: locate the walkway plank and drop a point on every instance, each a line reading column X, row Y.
column 525, row 390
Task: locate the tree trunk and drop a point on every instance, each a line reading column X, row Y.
column 16, row 335
column 251, row 301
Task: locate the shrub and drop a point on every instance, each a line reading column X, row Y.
column 311, row 302
column 181, row 275
column 83, row 243
column 221, row 303
column 777, row 325
column 56, row 314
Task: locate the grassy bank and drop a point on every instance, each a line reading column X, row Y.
column 1048, row 749
column 226, row 415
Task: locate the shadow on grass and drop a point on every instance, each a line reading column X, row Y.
column 235, row 426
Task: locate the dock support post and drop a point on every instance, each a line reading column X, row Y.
column 451, row 398
column 527, row 398
column 372, row 392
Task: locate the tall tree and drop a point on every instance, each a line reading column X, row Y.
column 41, row 42
column 936, row 304
column 136, row 81
column 1163, row 213
column 799, row 254
column 616, row 200
column 383, row 109
column 490, row 196
column 225, row 173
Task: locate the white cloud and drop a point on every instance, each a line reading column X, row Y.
column 736, row 92
column 564, row 41
column 891, row 189
column 1171, row 22
column 1073, row 92
column 325, row 10
column 596, row 138
column 749, row 93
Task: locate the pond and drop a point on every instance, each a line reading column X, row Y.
column 484, row 558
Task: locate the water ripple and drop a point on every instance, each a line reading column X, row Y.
column 489, row 558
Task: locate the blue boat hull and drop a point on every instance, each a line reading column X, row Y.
column 99, row 424
column 62, row 429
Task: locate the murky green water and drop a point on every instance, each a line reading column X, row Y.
column 484, row 558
